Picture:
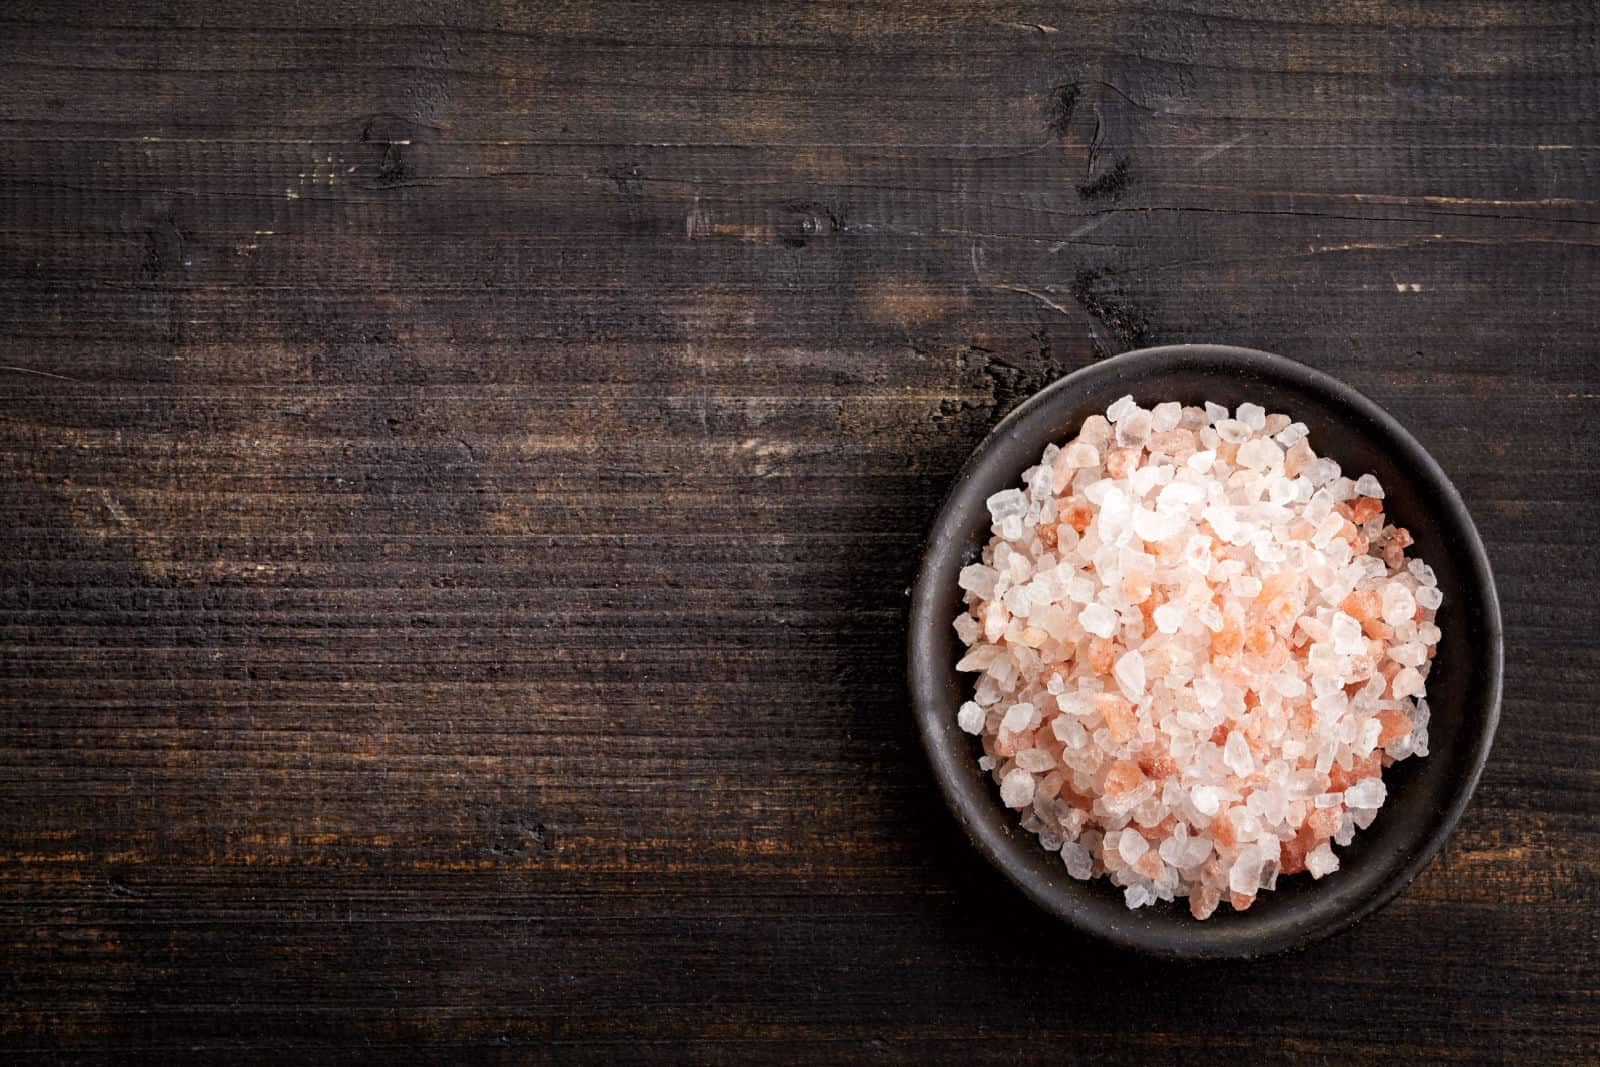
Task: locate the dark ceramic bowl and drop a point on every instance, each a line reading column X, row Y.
column 1426, row 796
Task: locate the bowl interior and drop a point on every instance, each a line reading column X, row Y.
column 1426, row 794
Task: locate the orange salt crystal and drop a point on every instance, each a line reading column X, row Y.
column 1222, row 830
column 1227, row 641
column 1123, row 778
column 1102, row 654
column 1076, row 512
column 1395, row 726
column 1257, row 640
column 1240, row 902
column 1121, row 462
column 1118, row 715
column 1365, row 509
column 1150, row 865
column 1324, row 822
column 1007, row 743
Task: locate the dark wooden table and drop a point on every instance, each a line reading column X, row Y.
column 462, row 467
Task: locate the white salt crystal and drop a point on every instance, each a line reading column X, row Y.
column 1259, row 454
column 1398, row 603
column 1331, row 524
column 1346, row 632
column 1129, row 673
column 1244, row 876
column 1079, row 454
column 1164, row 417
column 1016, row 789
column 1197, row 851
column 1136, row 896
column 1327, row 800
column 1006, row 504
column 1098, row 620
column 1367, row 485
column 1429, row 597
column 1134, row 429
column 1168, row 617
column 1321, row 861
column 1079, row 861
column 1291, row 434
column 1367, row 793
column 1236, row 754
column 1410, row 654
column 1205, row 800
column 1407, row 683
column 1252, row 415
column 1215, row 412
column 971, row 717
column 1233, row 431
column 1120, row 408
column 1201, row 462
column 1156, row 526
column 1017, row 717
column 1207, row 690
column 1322, row 471
column 1132, row 845
column 1367, row 740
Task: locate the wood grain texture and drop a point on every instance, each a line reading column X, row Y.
column 463, row 464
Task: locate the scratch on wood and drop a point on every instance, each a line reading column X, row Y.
column 1043, row 299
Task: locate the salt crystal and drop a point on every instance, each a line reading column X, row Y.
column 1291, row 434
column 1367, row 485
column 971, row 717
column 1347, row 639
column 1036, row 760
column 1207, row 690
column 1205, row 800
column 1131, row 845
column 1168, row 617
column 1321, row 861
column 1136, row 896
column 1006, row 504
column 1236, row 754
column 1201, row 462
column 1098, row 620
column 1134, row 429
column 1252, row 415
column 1398, row 603
column 1129, row 673
column 1016, row 789
column 1407, row 683
column 1165, row 417
column 1079, row 454
column 1119, row 409
column 1215, row 412
column 1017, row 717
column 1079, row 861
column 1367, row 793
column 1429, row 597
column 1244, row 876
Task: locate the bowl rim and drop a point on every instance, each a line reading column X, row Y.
column 927, row 674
